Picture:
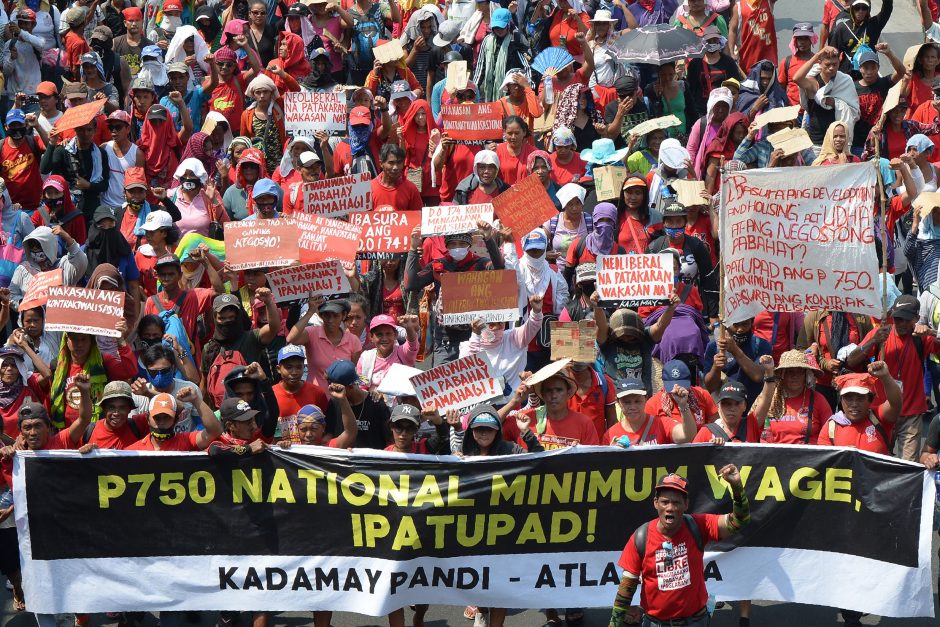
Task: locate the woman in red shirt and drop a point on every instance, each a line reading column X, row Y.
column 417, row 126
column 16, row 384
column 797, row 410
column 923, row 74
column 514, row 152
column 567, row 164
column 634, row 230
column 566, row 21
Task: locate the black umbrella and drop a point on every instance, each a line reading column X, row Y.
column 656, row 45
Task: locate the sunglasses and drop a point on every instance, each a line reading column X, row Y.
column 258, row 12
column 225, row 64
column 157, row 373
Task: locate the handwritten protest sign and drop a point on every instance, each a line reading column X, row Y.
column 322, row 239
column 608, row 181
column 473, row 123
column 454, row 219
column 337, row 197
column 457, row 77
column 309, row 111
column 574, row 340
column 799, row 243
column 491, row 296
column 459, row 384
column 524, row 206
column 634, row 280
column 385, row 234
column 260, row 244
column 79, row 116
column 38, row 291
column 82, row 310
column 296, row 282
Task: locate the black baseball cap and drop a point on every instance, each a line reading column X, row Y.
column 733, row 390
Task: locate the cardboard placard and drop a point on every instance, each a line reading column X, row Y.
column 524, row 206
column 312, row 279
column 689, row 193
column 647, row 126
column 790, row 140
column 457, row 76
column 892, row 99
column 389, row 51
column 777, row 114
column 385, row 234
column 454, row 219
column 83, row 310
column 925, row 202
column 338, row 196
column 38, row 291
column 261, row 244
column 309, row 111
column 910, row 55
column 473, row 123
column 574, row 340
column 545, row 123
column 634, row 280
column 491, row 296
column 322, row 239
column 459, row 384
column 799, row 242
column 78, row 116
column 608, row 181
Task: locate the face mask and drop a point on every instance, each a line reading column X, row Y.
column 162, row 380
column 161, row 434
column 38, row 257
column 740, row 338
column 171, row 22
column 227, row 330
column 458, row 254
column 54, row 203
column 135, row 204
column 490, row 337
column 712, row 47
column 189, row 184
column 18, row 133
column 674, row 233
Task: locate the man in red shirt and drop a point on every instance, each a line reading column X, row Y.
column 667, row 553
column 19, row 159
column 228, row 98
column 391, row 188
column 116, row 428
column 162, row 420
column 859, row 425
column 190, row 305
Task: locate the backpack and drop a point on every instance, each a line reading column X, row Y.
column 225, row 361
column 365, row 37
column 173, row 324
column 639, row 536
column 831, row 429
column 553, row 225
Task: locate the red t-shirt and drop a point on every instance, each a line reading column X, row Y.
column 289, row 403
column 55, row 442
column 633, row 236
column 751, row 432
column 228, row 98
column 403, row 197
column 342, row 156
column 564, row 173
column 10, row 413
column 197, row 302
column 702, row 231
column 787, row 329
column 512, row 168
column 657, row 434
column 787, row 69
column 707, row 409
column 573, row 429
column 19, row 167
column 119, row 368
column 675, row 591
column 791, row 427
column 123, row 438
column 458, row 167
column 75, row 47
column 904, row 364
column 593, row 403
column 179, row 442
column 563, row 25
column 863, row 435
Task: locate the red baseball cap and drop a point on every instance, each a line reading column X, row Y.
column 359, row 115
column 54, row 183
column 133, row 14
column 26, row 14
column 172, row 5
column 672, row 481
column 135, row 176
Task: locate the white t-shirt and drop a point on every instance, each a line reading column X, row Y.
column 114, row 197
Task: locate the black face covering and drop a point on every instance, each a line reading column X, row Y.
column 228, row 330
column 106, row 246
column 161, row 434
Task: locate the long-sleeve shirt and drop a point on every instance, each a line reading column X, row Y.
column 74, row 264
column 758, row 153
column 509, row 357
column 376, row 367
column 56, row 160
column 845, row 36
column 23, row 73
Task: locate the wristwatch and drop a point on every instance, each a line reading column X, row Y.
column 772, row 379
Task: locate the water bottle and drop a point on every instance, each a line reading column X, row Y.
column 549, row 89
column 765, row 435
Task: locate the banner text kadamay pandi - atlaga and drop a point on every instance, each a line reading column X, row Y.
column 373, row 532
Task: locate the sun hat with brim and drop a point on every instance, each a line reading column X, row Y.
column 116, row 389
column 555, row 369
column 603, row 15
column 796, row 359
column 603, row 151
column 484, row 416
column 672, row 154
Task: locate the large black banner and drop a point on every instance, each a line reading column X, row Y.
column 259, row 532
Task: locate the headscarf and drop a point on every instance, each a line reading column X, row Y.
column 535, row 273
column 562, row 136
column 722, row 145
column 250, row 155
column 296, row 63
column 105, row 247
column 9, row 393
column 93, row 367
column 719, row 94
column 601, row 240
column 287, row 163
column 59, row 183
column 813, row 40
column 161, row 146
column 193, row 165
column 98, row 65
column 262, row 81
column 537, row 154
column 195, row 147
column 214, row 118
column 921, row 142
column 214, row 25
column 175, row 53
column 409, row 127
column 828, row 151
column 107, row 272
column 307, row 33
column 567, row 110
column 155, row 70
column 413, row 29
column 750, row 89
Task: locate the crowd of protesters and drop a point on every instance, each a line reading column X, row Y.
column 192, row 135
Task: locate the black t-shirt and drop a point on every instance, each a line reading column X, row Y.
column 933, row 433
column 870, row 100
column 703, row 77
column 639, row 113
column 372, row 418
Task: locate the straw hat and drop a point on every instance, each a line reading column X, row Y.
column 555, row 369
column 795, row 359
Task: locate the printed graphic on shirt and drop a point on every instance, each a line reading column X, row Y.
column 673, row 574
column 552, row 442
